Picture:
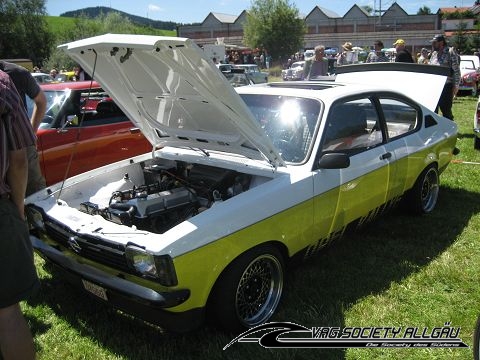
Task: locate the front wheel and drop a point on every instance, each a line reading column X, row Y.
column 423, row 197
column 249, row 291
column 476, row 142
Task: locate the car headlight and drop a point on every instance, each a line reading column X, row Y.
column 159, row 267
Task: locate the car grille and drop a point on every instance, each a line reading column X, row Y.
column 89, row 247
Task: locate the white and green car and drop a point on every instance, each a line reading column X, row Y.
column 239, row 181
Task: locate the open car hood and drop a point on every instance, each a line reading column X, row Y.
column 173, row 93
column 422, row 83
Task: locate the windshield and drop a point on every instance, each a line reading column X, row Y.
column 55, row 101
column 290, row 122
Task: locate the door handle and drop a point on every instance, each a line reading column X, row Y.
column 385, row 156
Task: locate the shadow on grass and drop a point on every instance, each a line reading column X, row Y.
column 317, row 293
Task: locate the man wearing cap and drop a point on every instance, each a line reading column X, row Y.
column 444, row 56
column 403, row 55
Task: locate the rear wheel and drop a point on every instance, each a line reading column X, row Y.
column 476, row 340
column 249, row 291
column 423, row 197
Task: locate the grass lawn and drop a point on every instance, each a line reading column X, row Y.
column 400, row 271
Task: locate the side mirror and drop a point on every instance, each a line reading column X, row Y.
column 72, row 120
column 334, row 161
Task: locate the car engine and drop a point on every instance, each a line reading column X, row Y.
column 169, row 196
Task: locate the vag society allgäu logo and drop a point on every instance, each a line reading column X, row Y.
column 291, row 335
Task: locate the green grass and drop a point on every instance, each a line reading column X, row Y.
column 400, row 271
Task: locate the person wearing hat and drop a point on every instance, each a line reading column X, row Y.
column 403, row 55
column 423, row 58
column 446, row 56
column 317, row 65
column 347, row 56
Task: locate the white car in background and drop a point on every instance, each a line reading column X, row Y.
column 294, row 72
column 254, row 72
column 240, row 181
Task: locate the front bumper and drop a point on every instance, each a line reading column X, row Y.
column 124, row 295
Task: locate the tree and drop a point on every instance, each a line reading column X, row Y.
column 368, row 9
column 424, row 10
column 84, row 27
column 23, row 30
column 274, row 25
column 460, row 39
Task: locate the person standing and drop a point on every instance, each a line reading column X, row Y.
column 443, row 55
column 27, row 86
column 423, row 59
column 19, row 278
column 378, row 55
column 403, row 55
column 317, row 65
column 347, row 56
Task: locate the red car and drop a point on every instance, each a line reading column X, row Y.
column 83, row 129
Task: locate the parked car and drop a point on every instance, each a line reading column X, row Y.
column 225, row 68
column 244, row 180
column 43, row 78
column 65, row 76
column 469, row 73
column 476, row 127
column 254, row 72
column 83, row 129
column 238, row 77
column 294, row 72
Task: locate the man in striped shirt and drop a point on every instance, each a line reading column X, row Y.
column 18, row 277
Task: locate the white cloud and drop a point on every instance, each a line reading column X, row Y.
column 154, row 8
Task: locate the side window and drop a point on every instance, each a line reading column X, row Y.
column 352, row 126
column 401, row 118
column 96, row 108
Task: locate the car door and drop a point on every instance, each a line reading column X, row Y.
column 357, row 192
column 401, row 119
column 92, row 132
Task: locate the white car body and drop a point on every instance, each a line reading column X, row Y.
column 255, row 73
column 204, row 224
column 294, row 72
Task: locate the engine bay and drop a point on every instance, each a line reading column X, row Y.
column 170, row 194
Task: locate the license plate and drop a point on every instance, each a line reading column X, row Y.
column 95, row 289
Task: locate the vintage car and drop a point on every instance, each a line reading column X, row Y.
column 469, row 74
column 294, row 72
column 238, row 77
column 476, row 126
column 43, row 78
column 242, row 181
column 254, row 72
column 83, row 129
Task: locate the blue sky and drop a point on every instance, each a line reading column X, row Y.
column 188, row 11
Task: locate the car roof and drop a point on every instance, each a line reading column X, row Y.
column 74, row 85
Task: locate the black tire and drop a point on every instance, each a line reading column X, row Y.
column 476, row 340
column 423, row 197
column 249, row 290
column 476, row 142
